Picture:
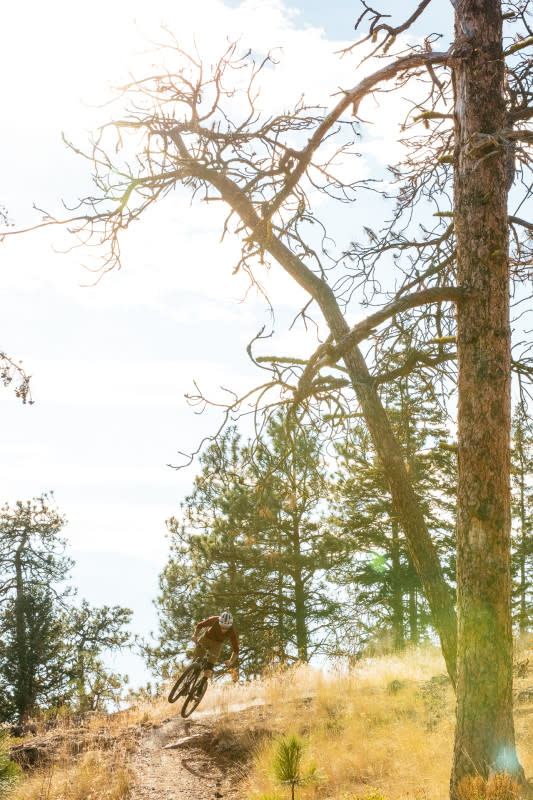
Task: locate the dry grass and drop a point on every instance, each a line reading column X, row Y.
column 383, row 730
column 96, row 775
column 498, row 787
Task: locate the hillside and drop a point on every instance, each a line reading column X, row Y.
column 384, row 729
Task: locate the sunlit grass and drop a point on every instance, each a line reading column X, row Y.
column 97, row 775
column 383, row 730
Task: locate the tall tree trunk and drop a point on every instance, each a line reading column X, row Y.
column 484, row 738
column 397, row 597
column 23, row 688
column 296, row 547
column 281, row 601
column 301, row 628
column 413, row 617
column 524, row 616
column 232, row 575
column 299, row 591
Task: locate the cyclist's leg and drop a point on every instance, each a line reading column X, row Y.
column 212, row 651
column 208, row 671
column 199, row 652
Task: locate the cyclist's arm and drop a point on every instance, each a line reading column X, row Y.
column 234, row 639
column 204, row 623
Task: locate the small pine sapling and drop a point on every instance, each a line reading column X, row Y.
column 288, row 764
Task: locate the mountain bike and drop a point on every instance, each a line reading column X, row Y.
column 192, row 685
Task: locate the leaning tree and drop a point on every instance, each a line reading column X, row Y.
column 444, row 309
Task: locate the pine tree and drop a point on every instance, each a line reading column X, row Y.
column 50, row 649
column 33, row 565
column 214, row 563
column 291, row 484
column 253, row 540
column 44, row 678
column 89, row 633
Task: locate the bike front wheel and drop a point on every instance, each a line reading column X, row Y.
column 180, row 684
column 194, row 697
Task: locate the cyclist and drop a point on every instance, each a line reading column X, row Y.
column 217, row 630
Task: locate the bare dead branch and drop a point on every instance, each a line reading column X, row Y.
column 376, row 26
column 12, row 374
column 365, row 328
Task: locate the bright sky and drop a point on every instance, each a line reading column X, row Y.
column 110, row 364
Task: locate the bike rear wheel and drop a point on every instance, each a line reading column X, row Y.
column 194, row 697
column 180, row 684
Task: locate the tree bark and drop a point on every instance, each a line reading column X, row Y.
column 299, row 595
column 524, row 616
column 281, row 600
column 484, row 738
column 301, row 628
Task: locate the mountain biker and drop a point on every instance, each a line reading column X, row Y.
column 217, row 630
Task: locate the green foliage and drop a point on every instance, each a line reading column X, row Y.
column 378, row 569
column 378, row 563
column 522, row 528
column 50, row 649
column 253, row 540
column 292, row 491
column 287, row 763
column 9, row 771
column 91, row 631
column 33, row 654
column 33, row 567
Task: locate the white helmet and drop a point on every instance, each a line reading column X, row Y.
column 225, row 619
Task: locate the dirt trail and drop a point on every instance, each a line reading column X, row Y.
column 192, row 771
